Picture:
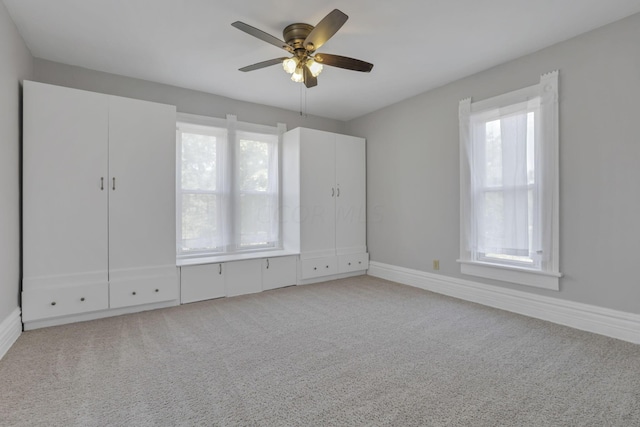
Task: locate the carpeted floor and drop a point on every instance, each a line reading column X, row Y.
column 355, row 352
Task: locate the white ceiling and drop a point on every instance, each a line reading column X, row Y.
column 416, row 45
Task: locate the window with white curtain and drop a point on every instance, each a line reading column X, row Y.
column 227, row 186
column 509, row 186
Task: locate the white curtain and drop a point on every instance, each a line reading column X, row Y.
column 504, row 182
column 256, row 190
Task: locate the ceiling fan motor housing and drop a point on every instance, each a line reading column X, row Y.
column 295, row 34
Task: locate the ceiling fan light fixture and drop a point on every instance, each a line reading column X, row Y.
column 301, row 41
column 290, row 64
column 314, row 67
column 298, row 75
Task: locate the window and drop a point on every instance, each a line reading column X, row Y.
column 227, row 186
column 509, row 186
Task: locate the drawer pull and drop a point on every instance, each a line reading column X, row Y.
column 53, row 303
column 327, row 266
column 359, row 262
column 349, row 263
column 82, row 299
column 315, row 268
column 157, row 290
column 133, row 293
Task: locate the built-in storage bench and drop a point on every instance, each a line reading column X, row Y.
column 202, row 279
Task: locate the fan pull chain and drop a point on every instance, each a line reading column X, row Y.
column 303, row 94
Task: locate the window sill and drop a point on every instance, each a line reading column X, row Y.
column 522, row 276
column 213, row 259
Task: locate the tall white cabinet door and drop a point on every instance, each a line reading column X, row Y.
column 351, row 216
column 141, row 190
column 64, row 205
column 318, row 193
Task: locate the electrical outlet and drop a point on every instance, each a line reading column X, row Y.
column 436, row 264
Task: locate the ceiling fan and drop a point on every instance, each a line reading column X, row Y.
column 302, row 41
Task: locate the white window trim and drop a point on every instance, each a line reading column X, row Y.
column 548, row 277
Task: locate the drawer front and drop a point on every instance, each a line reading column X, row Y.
column 49, row 303
column 139, row 291
column 353, row 262
column 318, row 267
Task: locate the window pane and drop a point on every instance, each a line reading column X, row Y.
column 499, row 236
column 198, row 162
column 253, row 161
column 258, row 220
column 493, row 154
column 492, row 221
column 199, row 222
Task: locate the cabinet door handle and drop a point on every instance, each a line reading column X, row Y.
column 101, row 183
column 333, row 192
column 219, row 268
column 338, row 191
column 82, row 299
column 114, row 183
column 53, row 303
column 267, row 263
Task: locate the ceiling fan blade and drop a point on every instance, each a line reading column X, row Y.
column 253, row 31
column 309, row 80
column 343, row 62
column 325, row 29
column 263, row 64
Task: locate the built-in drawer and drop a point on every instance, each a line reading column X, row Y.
column 63, row 301
column 348, row 263
column 143, row 291
column 318, row 267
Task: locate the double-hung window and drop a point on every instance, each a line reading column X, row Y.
column 509, row 186
column 228, row 198
column 257, row 190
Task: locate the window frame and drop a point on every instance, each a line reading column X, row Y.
column 229, row 223
column 238, row 192
column 180, row 192
column 543, row 271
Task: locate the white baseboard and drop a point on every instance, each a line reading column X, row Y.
column 332, row 277
column 94, row 315
column 10, row 330
column 612, row 323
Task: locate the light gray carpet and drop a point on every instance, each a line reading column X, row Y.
column 356, row 352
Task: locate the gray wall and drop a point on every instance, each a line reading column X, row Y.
column 187, row 101
column 15, row 64
column 413, row 171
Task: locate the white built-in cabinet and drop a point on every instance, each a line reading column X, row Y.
column 232, row 278
column 98, row 203
column 324, row 186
